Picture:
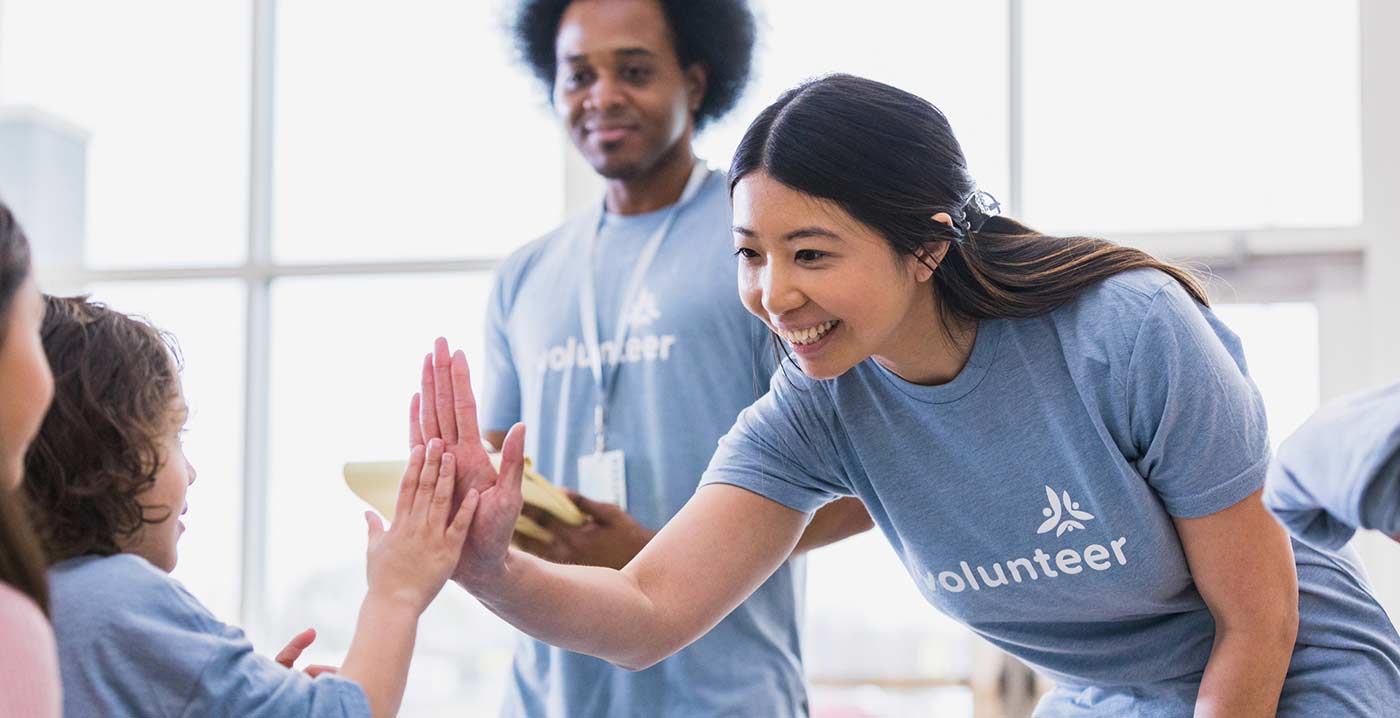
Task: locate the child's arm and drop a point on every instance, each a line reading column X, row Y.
column 407, row 567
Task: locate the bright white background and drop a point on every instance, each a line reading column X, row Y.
column 307, row 230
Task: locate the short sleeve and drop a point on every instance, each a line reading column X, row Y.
column 1341, row 471
column 773, row 449
column 198, row 666
column 1195, row 417
column 499, row 407
column 1380, row 503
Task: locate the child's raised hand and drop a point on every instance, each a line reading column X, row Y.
column 411, row 560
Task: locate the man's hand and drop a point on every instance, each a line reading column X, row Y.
column 610, row 540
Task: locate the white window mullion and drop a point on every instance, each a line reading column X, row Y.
column 253, row 563
column 1380, row 177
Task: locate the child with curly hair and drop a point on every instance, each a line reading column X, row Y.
column 108, row 477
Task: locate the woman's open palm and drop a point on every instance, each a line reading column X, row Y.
column 446, row 409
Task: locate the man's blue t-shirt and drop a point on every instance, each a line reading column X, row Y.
column 693, row 359
column 1341, row 470
column 1032, row 498
column 133, row 642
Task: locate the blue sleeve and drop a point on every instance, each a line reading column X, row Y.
column 197, row 666
column 1380, row 502
column 1341, row 471
column 1195, row 418
column 772, row 450
column 499, row 408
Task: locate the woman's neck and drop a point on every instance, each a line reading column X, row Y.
column 927, row 348
column 656, row 189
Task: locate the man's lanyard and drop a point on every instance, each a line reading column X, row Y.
column 588, row 307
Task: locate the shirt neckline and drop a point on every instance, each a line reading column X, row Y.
column 979, row 363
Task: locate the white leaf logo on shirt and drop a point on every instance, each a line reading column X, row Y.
column 1054, row 514
column 644, row 309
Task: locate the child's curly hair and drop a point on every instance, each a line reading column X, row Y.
column 115, row 378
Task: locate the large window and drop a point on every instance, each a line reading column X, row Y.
column 1191, row 115
column 404, row 131
column 954, row 54
column 160, row 87
column 306, row 192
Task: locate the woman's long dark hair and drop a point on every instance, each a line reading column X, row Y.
column 21, row 560
column 889, row 159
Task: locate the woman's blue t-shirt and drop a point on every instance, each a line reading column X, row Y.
column 1032, row 498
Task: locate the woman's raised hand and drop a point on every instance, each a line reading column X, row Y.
column 445, row 409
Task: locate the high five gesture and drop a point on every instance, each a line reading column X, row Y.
column 445, row 409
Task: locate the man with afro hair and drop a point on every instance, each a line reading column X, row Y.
column 619, row 338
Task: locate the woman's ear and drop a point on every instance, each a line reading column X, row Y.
column 928, row 258
column 931, row 254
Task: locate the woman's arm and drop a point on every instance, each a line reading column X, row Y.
column 712, row 555
column 837, row 521
column 1242, row 563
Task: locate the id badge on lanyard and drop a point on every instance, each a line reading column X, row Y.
column 602, row 475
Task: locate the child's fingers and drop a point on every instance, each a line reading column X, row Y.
column 442, row 495
column 427, row 482
column 462, row 522
column 288, row 656
column 317, row 669
column 409, row 484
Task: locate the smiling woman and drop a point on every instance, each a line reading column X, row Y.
column 879, row 192
column 956, row 370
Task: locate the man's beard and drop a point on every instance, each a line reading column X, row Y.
column 622, row 170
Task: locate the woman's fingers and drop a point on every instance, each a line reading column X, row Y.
column 442, row 383
column 512, row 460
column 463, row 400
column 375, row 526
column 428, row 416
column 408, row 486
column 415, row 428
